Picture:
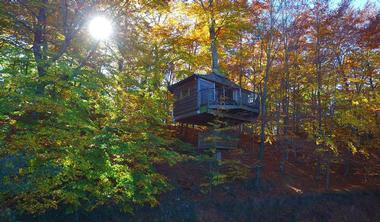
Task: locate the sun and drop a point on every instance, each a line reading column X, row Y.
column 100, row 28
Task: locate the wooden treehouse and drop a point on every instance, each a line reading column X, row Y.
column 201, row 99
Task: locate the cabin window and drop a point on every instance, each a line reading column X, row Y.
column 228, row 94
column 183, row 93
column 251, row 98
column 236, row 95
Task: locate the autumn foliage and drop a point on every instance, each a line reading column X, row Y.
column 83, row 123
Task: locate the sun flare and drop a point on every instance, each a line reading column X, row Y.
column 100, row 28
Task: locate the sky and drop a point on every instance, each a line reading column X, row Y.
column 357, row 3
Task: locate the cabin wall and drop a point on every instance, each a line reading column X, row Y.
column 186, row 98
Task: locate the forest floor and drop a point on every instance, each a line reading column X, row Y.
column 294, row 196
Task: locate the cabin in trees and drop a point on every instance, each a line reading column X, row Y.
column 200, row 98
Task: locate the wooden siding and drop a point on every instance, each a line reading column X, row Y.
column 187, row 104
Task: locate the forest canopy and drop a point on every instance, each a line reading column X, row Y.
column 83, row 120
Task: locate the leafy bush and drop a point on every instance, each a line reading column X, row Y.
column 81, row 144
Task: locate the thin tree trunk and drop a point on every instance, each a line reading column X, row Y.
column 346, row 167
column 286, row 107
column 318, row 67
column 213, row 38
column 241, row 70
column 328, row 175
column 39, row 47
column 278, row 116
column 259, row 165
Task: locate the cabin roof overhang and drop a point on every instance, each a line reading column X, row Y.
column 217, row 78
column 180, row 83
column 213, row 77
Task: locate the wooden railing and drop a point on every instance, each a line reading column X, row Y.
column 242, row 97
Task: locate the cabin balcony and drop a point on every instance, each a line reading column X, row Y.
column 229, row 99
column 235, row 105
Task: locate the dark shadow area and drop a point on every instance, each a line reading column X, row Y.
column 177, row 206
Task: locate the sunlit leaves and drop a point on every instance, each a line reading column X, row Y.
column 88, row 141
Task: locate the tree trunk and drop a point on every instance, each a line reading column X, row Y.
column 259, row 166
column 286, row 109
column 213, row 38
column 318, row 170
column 40, row 46
column 286, row 89
column 328, row 177
column 346, row 167
column 318, row 64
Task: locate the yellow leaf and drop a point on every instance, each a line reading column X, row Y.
column 355, row 80
column 352, row 147
column 268, row 140
column 60, row 37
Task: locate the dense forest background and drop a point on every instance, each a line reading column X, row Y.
column 84, row 123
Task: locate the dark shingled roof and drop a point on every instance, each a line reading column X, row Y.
column 213, row 77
